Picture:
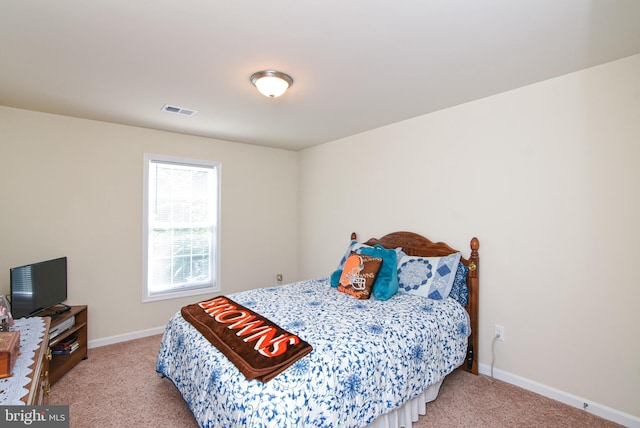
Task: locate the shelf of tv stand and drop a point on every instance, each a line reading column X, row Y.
column 61, row 364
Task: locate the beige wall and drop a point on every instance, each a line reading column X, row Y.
column 73, row 187
column 547, row 178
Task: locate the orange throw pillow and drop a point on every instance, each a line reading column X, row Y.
column 359, row 274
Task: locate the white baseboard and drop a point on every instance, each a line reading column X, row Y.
column 124, row 337
column 563, row 397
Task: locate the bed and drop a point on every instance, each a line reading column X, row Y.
column 374, row 362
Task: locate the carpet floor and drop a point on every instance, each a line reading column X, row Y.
column 117, row 386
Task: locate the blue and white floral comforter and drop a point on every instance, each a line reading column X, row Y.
column 369, row 358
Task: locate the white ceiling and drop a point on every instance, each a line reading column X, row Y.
column 356, row 64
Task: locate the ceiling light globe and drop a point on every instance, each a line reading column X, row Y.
column 271, row 83
column 271, row 86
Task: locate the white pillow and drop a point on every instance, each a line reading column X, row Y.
column 430, row 277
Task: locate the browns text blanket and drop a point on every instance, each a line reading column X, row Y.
column 259, row 348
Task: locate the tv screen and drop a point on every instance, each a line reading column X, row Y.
column 38, row 286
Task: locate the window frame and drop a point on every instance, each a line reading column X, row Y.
column 209, row 287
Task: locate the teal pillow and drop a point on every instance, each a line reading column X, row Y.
column 386, row 284
column 335, row 278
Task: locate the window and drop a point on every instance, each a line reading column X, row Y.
column 181, row 223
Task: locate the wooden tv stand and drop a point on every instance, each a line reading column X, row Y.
column 61, row 364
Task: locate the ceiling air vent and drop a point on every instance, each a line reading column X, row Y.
column 179, row 110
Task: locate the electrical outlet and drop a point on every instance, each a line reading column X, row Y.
column 499, row 333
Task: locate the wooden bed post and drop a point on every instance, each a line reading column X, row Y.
column 472, row 306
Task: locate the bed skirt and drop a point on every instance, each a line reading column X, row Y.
column 403, row 417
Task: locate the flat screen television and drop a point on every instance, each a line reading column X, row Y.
column 38, row 286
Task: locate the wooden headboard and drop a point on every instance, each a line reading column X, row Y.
column 417, row 245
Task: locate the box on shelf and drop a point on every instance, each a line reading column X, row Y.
column 9, row 351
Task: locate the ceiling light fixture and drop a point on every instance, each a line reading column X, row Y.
column 271, row 83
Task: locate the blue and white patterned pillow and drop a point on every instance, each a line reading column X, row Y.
column 430, row 277
column 353, row 246
column 459, row 289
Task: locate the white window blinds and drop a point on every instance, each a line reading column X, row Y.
column 181, row 224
